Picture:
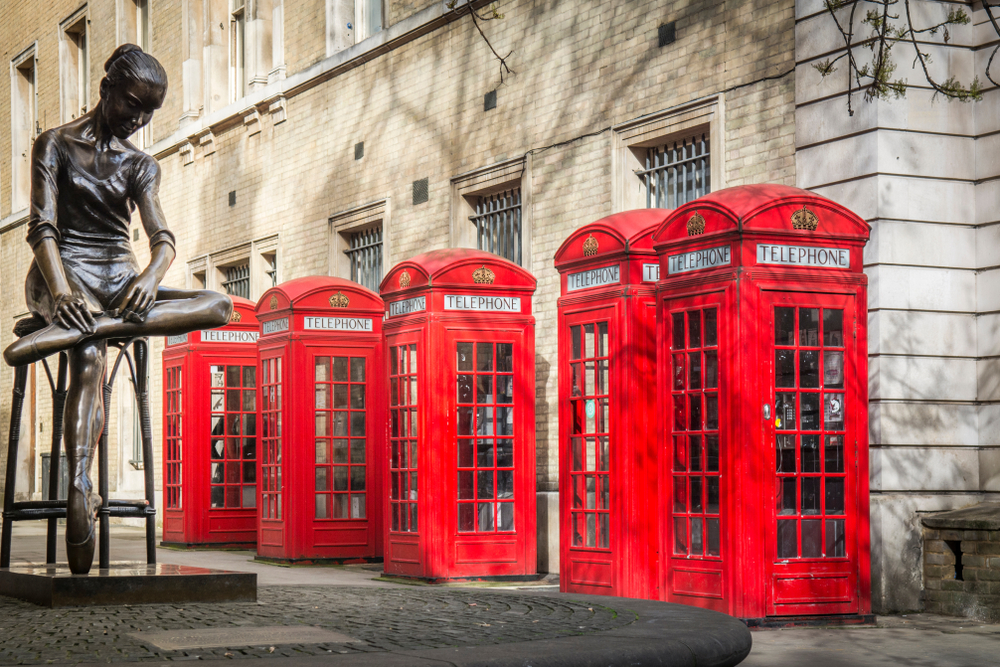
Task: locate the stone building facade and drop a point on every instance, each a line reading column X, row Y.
column 291, row 126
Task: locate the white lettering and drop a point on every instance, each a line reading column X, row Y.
column 274, row 326
column 177, row 340
column 650, row 273
column 338, row 323
column 504, row 304
column 228, row 336
column 792, row 255
column 407, row 306
column 606, row 275
column 698, row 259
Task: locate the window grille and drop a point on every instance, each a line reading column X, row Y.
column 272, row 269
column 498, row 224
column 365, row 253
column 677, row 172
column 237, row 282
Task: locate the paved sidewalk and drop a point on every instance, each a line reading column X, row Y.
column 389, row 624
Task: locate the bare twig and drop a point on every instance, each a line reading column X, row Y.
column 476, row 18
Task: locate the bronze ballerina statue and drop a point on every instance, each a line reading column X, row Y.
column 86, row 179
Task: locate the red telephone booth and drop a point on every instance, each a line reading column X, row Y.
column 607, row 376
column 210, row 434
column 461, row 343
column 762, row 392
column 322, row 421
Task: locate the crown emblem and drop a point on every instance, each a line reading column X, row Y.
column 339, row 300
column 273, row 303
column 696, row 225
column 590, row 246
column 235, row 317
column 404, row 279
column 483, row 276
column 805, row 219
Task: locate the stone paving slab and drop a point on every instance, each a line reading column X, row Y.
column 404, row 625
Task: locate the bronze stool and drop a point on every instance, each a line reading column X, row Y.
column 53, row 508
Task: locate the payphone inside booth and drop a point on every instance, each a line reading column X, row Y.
column 461, row 375
column 322, row 421
column 762, row 392
column 607, row 391
column 210, row 434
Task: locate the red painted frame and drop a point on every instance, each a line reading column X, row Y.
column 628, row 565
column 194, row 522
column 416, row 292
column 748, row 580
column 302, row 321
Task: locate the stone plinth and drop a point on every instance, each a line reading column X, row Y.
column 126, row 583
column 962, row 562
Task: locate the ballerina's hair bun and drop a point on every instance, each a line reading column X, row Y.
column 130, row 63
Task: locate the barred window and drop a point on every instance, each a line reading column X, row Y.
column 365, row 253
column 677, row 172
column 237, row 282
column 498, row 224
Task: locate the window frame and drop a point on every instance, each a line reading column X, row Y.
column 346, row 223
column 24, row 107
column 468, row 187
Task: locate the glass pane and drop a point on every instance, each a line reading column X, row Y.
column 680, row 493
column 218, row 495
column 833, row 328
column 809, row 370
column 484, row 388
column 833, row 454
column 250, row 448
column 787, row 540
column 680, row 535
column 466, row 517
column 339, row 420
column 464, row 357
column 340, row 506
column 340, row 396
column 696, row 536
column 711, row 336
column 505, row 484
column 357, row 370
column 322, row 369
column 576, row 447
column 249, row 378
column 591, row 530
column 340, row 478
column 232, row 448
column 696, row 506
column 233, row 398
column 575, row 342
column 340, row 451
column 358, row 450
column 833, row 369
column 466, row 454
column 678, row 332
column 786, row 495
column 784, row 326
column 394, row 391
column 694, row 370
column 233, row 496
column 465, row 420
column 394, row 355
column 358, row 510
column 812, row 538
column 465, row 485
column 679, row 371
column 485, row 484
column 321, row 424
column 712, row 526
column 485, row 516
column 712, row 453
column 810, row 495
column 484, row 421
column 322, row 396
column 695, row 412
column 233, row 376
column 218, row 379
column 711, row 412
column 712, row 492
column 506, row 512
column 588, row 341
column 505, row 357
column 695, row 452
column 339, row 369
column 322, row 451
column 250, row 496
column 835, row 495
column 835, row 538
column 357, row 478
column 810, row 453
column 784, row 411
column 603, row 386
column 694, row 329
column 505, row 389
column 809, row 327
column 680, row 453
column 784, row 368
column 809, row 404
column 505, row 453
column 833, row 411
column 602, row 537
column 711, row 370
column 679, row 413
column 357, row 396
column 484, row 356
column 250, row 424
column 603, row 455
column 484, row 454
column 412, row 368
column 323, row 479
column 217, row 473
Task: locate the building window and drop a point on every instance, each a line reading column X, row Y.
column 134, row 28
column 365, row 254
column 677, row 172
column 498, row 224
column 74, row 67
column 237, row 50
column 368, row 18
column 23, row 127
column 237, row 282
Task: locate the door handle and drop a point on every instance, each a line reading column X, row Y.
column 767, row 411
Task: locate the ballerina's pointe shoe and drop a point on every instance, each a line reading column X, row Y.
column 40, row 344
column 80, row 555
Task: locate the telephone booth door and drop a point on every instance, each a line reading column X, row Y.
column 696, row 465
column 812, row 394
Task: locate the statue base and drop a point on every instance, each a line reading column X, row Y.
column 125, row 583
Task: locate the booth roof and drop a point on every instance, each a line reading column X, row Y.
column 293, row 291
column 245, row 308
column 632, row 229
column 438, row 263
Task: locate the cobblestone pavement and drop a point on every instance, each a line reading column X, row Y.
column 380, row 619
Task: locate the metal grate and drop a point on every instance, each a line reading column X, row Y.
column 498, row 224
column 237, row 282
column 677, row 172
column 365, row 253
